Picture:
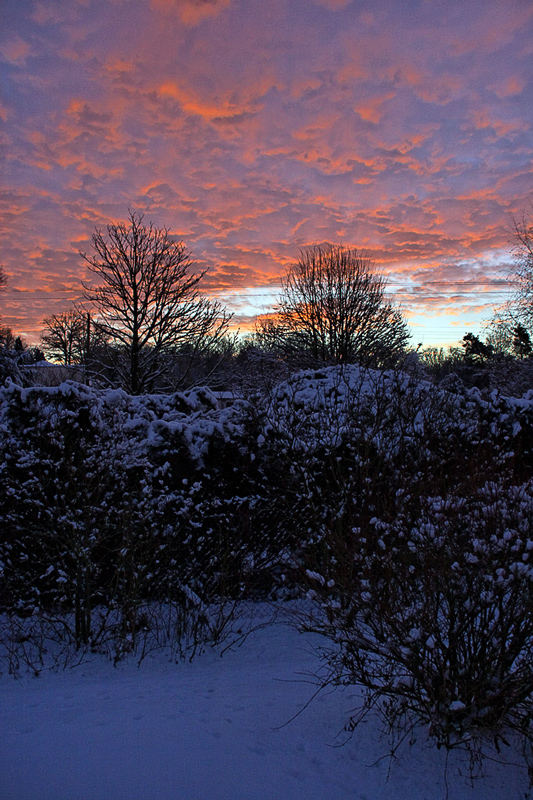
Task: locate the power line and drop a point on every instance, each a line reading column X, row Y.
column 419, row 293
column 470, row 282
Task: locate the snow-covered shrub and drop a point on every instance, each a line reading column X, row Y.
column 9, row 368
column 416, row 532
column 436, row 618
column 347, row 439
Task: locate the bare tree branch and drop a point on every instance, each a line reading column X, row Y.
column 148, row 303
column 522, row 303
column 333, row 310
column 63, row 337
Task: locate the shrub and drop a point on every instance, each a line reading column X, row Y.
column 416, row 534
column 434, row 617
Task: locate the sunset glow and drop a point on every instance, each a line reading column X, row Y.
column 252, row 128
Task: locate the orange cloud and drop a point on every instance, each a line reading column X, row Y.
column 372, row 109
column 484, row 119
column 228, row 111
column 333, row 5
column 192, row 12
column 508, row 87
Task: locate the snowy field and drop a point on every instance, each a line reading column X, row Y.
column 236, row 727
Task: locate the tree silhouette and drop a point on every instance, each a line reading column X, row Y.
column 333, row 310
column 148, row 303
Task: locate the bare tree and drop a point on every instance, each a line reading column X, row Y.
column 522, row 303
column 333, row 310
column 11, row 346
column 148, row 303
column 511, row 329
column 64, row 336
column 3, row 281
column 7, row 337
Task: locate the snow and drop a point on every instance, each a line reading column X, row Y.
column 237, row 726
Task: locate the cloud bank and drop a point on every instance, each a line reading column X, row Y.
column 251, row 129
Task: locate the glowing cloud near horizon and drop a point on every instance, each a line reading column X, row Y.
column 402, row 127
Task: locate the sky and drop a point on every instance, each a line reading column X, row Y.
column 254, row 128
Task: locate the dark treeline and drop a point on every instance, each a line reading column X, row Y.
column 145, row 326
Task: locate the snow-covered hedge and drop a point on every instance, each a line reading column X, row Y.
column 110, row 502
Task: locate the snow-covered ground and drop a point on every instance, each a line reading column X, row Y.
column 219, row 728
